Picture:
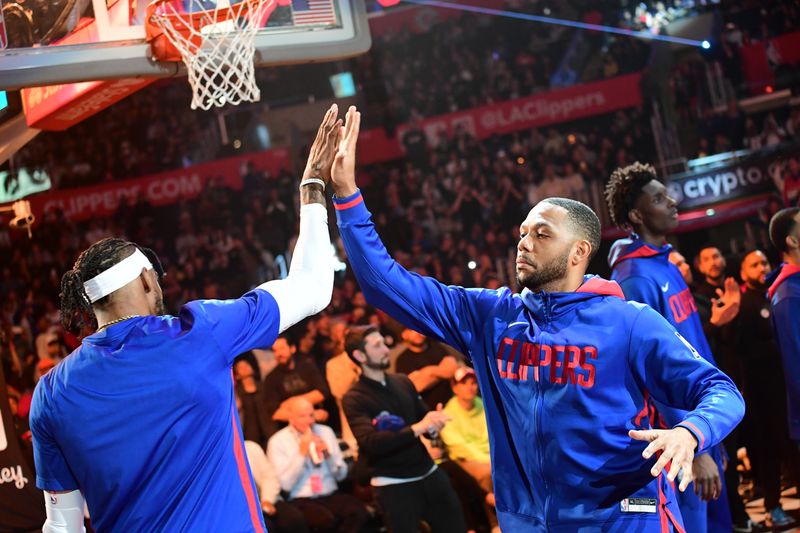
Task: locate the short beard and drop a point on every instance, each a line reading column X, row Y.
column 542, row 277
column 382, row 365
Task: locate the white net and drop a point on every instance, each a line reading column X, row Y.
column 217, row 44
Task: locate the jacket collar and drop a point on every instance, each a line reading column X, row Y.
column 781, row 274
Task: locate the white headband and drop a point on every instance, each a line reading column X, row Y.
column 117, row 276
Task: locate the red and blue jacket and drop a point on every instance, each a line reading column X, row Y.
column 564, row 377
column 784, row 293
column 646, row 276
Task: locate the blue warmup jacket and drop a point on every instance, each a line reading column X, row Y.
column 564, row 377
column 646, row 276
column 141, row 418
column 784, row 292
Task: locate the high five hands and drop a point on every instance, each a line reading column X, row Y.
column 343, row 173
column 324, row 147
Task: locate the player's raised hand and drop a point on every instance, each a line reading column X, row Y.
column 324, row 148
column 343, row 175
column 676, row 445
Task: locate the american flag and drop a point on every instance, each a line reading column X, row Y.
column 306, row 12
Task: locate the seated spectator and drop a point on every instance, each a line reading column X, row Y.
column 292, row 377
column 307, row 459
column 279, row 515
column 341, row 373
column 466, row 437
column 428, row 365
column 246, row 380
column 388, row 418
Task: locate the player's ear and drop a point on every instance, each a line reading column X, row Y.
column 634, row 217
column 146, row 283
column 582, row 251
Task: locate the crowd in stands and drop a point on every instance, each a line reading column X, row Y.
column 438, row 212
column 440, row 215
column 450, row 210
column 460, row 63
column 705, row 83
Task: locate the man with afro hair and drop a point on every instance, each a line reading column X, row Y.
column 640, row 204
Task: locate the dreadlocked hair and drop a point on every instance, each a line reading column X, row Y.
column 76, row 309
column 623, row 189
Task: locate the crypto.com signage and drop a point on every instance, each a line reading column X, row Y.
column 746, row 177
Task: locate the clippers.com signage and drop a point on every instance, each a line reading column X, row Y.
column 544, row 109
column 160, row 189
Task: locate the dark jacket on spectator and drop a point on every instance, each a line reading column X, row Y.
column 392, row 453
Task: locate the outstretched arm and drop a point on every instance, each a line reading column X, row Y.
column 308, row 287
column 449, row 314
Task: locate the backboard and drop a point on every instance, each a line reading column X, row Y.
column 69, row 41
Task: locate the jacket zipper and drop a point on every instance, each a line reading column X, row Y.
column 538, row 403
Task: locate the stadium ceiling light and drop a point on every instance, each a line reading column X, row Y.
column 562, row 22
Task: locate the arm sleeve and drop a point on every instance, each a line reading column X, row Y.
column 308, row 288
column 285, row 458
column 52, row 471
column 450, row 314
column 372, row 442
column 677, row 376
column 64, row 512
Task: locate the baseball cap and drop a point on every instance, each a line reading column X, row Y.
column 462, row 373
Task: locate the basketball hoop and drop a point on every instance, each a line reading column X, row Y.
column 215, row 40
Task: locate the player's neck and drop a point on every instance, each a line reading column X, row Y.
column 653, row 239
column 569, row 283
column 793, row 257
column 116, row 311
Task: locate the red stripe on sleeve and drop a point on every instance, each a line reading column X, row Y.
column 702, row 437
column 352, row 203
